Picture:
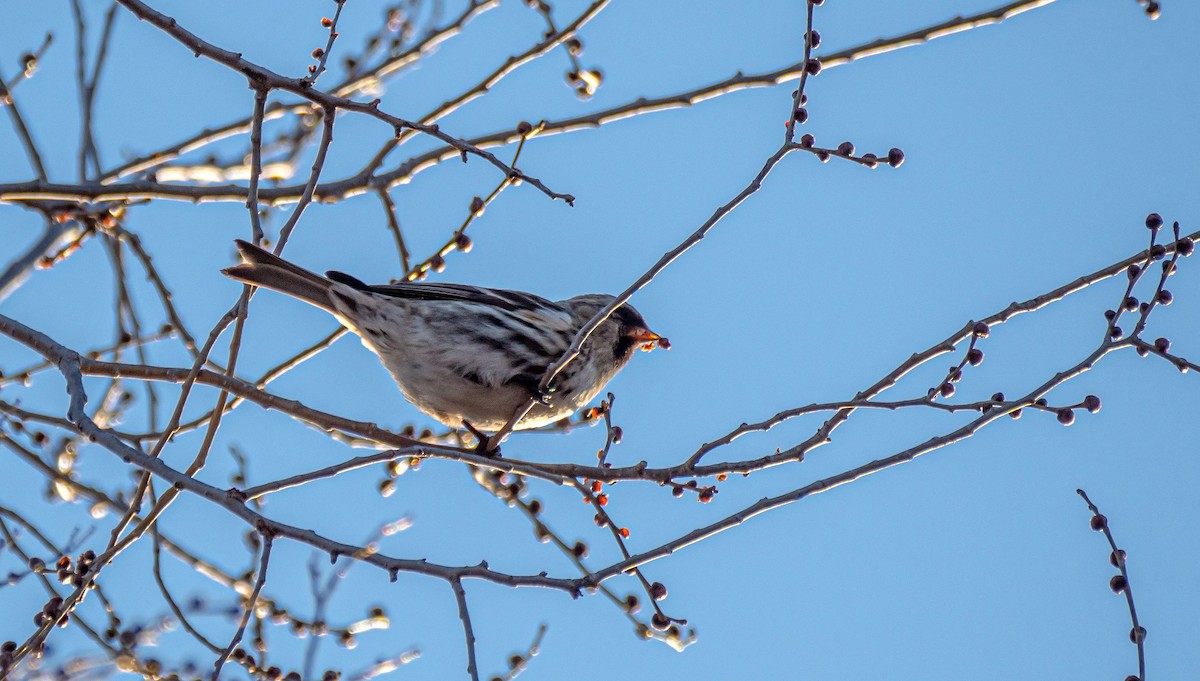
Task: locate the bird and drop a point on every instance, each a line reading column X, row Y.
column 468, row 356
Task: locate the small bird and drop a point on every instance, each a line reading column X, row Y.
column 466, row 355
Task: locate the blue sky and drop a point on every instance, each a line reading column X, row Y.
column 1034, row 150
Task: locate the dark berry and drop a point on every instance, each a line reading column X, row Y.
column 1162, row 344
column 1091, row 403
column 975, row 356
column 1154, row 221
column 814, row 39
column 1066, row 416
column 812, row 66
column 632, row 604
column 1098, row 522
column 658, row 591
column 1118, row 583
column 846, row 149
column 895, row 157
column 807, row 140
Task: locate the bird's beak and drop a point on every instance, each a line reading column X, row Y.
column 650, row 340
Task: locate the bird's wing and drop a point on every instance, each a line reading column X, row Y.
column 508, row 300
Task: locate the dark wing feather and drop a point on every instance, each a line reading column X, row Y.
column 507, row 300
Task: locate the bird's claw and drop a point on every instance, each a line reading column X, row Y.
column 542, row 395
column 483, row 446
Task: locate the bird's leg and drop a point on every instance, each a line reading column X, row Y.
column 483, row 446
column 493, row 443
column 532, row 383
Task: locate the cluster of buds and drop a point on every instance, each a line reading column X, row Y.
column 52, row 611
column 585, row 81
column 1183, row 247
column 894, row 157
column 395, row 468
column 703, row 494
column 974, row 357
column 68, row 572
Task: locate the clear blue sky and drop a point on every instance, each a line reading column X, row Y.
column 1034, row 151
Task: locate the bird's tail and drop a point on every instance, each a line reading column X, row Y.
column 262, row 268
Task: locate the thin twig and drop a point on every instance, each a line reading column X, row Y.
column 264, row 560
column 1138, row 634
column 460, row 596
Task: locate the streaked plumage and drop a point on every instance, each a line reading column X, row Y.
column 467, row 353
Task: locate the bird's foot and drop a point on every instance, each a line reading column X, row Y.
column 540, row 396
column 483, row 446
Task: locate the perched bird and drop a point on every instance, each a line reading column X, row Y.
column 467, row 355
